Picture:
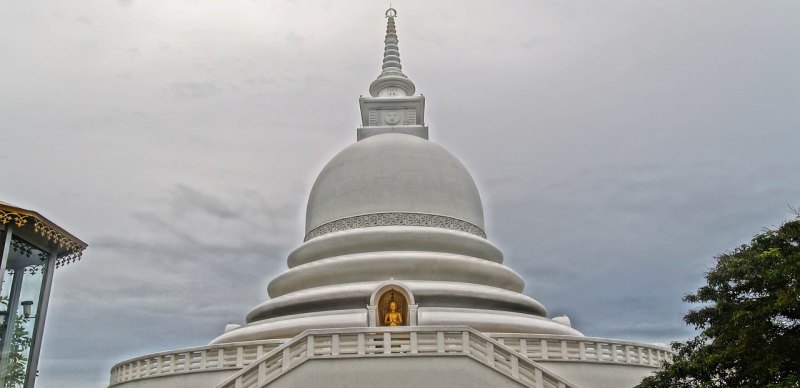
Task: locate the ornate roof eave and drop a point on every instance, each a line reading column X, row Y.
column 68, row 247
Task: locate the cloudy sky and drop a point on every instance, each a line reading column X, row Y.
column 619, row 146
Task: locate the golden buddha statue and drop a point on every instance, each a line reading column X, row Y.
column 392, row 317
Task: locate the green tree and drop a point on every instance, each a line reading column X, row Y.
column 749, row 319
column 18, row 359
column 18, row 356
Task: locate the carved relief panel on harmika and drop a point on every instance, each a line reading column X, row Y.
column 399, row 116
column 391, row 117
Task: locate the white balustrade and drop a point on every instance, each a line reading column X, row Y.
column 231, row 356
column 586, row 349
column 263, row 361
column 393, row 342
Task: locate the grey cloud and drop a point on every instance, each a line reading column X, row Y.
column 615, row 155
column 294, row 38
column 84, row 20
column 137, row 275
column 187, row 199
column 194, row 89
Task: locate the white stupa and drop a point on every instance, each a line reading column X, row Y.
column 396, row 284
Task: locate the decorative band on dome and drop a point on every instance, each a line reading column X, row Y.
column 395, row 219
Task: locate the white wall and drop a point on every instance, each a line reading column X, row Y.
column 394, row 372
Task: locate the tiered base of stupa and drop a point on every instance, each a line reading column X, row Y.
column 404, row 356
column 457, row 279
column 461, row 322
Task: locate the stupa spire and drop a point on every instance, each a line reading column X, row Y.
column 391, row 53
column 392, row 106
column 391, row 80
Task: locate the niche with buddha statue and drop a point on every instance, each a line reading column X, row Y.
column 392, row 309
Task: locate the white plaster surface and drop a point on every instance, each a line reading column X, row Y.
column 393, row 173
column 407, row 265
column 495, row 321
column 394, row 372
column 186, row 380
column 600, row 375
column 292, row 325
column 492, row 321
column 431, row 293
column 394, row 238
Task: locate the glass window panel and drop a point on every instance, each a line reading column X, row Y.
column 27, row 263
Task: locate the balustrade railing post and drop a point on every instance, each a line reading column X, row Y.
column 414, row 342
column 545, row 354
column 613, row 352
column 582, row 350
column 286, row 359
column 564, row 354
column 387, row 342
column 203, row 359
column 239, row 357
column 537, row 377
column 262, row 373
column 335, row 345
column 514, row 367
column 310, row 352
column 361, row 345
column 439, row 342
column 490, row 354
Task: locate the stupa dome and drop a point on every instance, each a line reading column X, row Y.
column 395, row 176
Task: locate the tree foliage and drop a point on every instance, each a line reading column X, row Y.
column 749, row 319
column 18, row 355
